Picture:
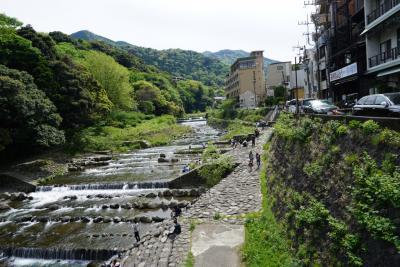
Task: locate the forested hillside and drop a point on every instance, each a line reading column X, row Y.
column 180, row 63
column 54, row 88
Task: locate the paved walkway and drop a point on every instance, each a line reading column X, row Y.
column 214, row 243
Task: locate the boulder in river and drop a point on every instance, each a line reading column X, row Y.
column 167, row 193
column 114, row 206
column 162, row 160
column 157, row 219
column 107, row 220
column 104, row 207
column 162, row 155
column 145, row 219
column 66, row 219
column 102, row 158
column 117, row 220
column 43, row 219
column 53, row 207
column 98, row 219
column 85, row 219
column 4, row 207
column 151, row 195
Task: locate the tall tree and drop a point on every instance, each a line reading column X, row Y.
column 28, row 118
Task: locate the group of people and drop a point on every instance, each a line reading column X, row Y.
column 244, row 143
column 251, row 159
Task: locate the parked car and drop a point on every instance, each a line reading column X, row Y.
column 305, row 103
column 321, row 107
column 378, row 105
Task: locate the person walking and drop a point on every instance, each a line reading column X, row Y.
column 251, row 157
column 253, row 140
column 136, row 231
column 258, row 160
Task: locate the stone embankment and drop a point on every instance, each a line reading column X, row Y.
column 218, row 215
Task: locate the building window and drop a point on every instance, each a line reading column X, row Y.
column 322, row 52
column 385, row 49
column 323, row 75
column 279, row 68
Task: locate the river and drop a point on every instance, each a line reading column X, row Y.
column 58, row 227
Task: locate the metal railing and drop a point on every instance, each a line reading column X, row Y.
column 384, row 57
column 381, row 10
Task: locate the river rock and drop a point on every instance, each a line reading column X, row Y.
column 4, row 207
column 102, row 158
column 164, row 206
column 114, row 206
column 85, row 219
column 5, row 196
column 117, row 220
column 157, row 219
column 162, row 155
column 174, row 160
column 167, row 193
column 66, row 219
column 162, row 160
column 126, row 206
column 43, row 219
column 145, row 219
column 107, row 220
column 53, row 207
column 104, row 207
column 98, row 219
column 151, row 195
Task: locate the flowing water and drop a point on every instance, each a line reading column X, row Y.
column 57, row 226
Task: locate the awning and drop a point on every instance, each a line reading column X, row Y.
column 388, row 72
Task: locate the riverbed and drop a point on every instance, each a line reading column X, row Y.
column 88, row 215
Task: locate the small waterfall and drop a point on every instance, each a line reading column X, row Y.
column 106, row 186
column 59, row 253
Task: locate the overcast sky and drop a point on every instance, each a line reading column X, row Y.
column 196, row 25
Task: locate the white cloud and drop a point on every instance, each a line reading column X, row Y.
column 197, row 25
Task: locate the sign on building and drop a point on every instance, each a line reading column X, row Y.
column 344, row 72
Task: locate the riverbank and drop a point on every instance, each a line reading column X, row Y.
column 94, row 142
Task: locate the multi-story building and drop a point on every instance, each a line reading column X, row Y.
column 278, row 74
column 246, row 82
column 382, row 31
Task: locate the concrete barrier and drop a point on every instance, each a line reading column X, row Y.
column 11, row 183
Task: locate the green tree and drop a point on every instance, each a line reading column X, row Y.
column 113, row 77
column 28, row 117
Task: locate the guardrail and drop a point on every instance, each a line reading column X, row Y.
column 387, row 122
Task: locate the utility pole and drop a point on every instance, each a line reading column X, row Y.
column 297, row 89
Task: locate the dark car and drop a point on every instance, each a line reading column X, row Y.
column 379, row 105
column 321, row 107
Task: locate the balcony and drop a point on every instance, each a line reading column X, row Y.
column 381, row 10
column 384, row 57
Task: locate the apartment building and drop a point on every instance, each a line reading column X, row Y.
column 278, row 74
column 246, row 82
column 382, row 31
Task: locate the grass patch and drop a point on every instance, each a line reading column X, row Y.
column 217, row 216
column 156, row 131
column 265, row 241
column 189, row 262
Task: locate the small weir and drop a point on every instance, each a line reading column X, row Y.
column 87, row 215
column 105, row 186
column 59, row 253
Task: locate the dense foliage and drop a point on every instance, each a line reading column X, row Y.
column 338, row 196
column 180, row 63
column 28, row 118
column 55, row 84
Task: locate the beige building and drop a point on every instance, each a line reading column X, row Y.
column 246, row 81
column 278, row 74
